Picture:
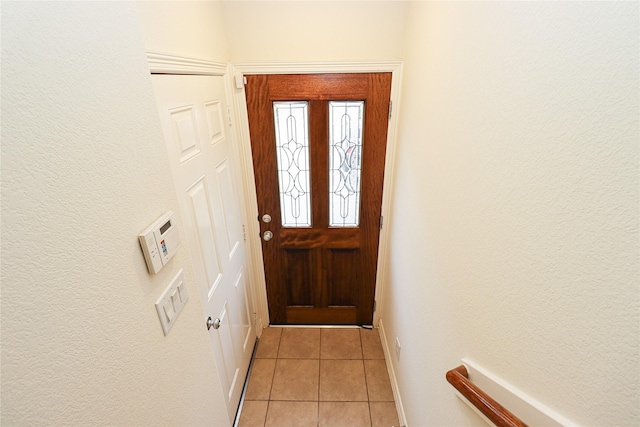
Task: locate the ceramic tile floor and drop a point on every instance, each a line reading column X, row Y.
column 319, row 377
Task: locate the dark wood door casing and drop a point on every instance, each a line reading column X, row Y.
column 320, row 274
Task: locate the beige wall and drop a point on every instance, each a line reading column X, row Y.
column 514, row 231
column 194, row 29
column 84, row 170
column 280, row 31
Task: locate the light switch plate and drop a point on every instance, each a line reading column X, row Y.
column 169, row 308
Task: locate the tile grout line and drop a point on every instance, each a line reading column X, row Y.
column 366, row 383
column 273, row 376
column 319, row 370
column 364, row 369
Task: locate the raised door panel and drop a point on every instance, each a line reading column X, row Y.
column 228, row 368
column 198, row 196
column 230, row 213
column 298, row 265
column 238, row 317
column 342, row 276
column 185, row 131
column 214, row 121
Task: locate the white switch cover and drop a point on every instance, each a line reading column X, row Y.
column 170, row 304
column 168, row 310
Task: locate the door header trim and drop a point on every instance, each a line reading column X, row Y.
column 317, row 67
column 162, row 63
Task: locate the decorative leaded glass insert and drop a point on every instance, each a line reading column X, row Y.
column 345, row 162
column 292, row 153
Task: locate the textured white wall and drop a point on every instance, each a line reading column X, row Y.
column 84, row 170
column 515, row 207
column 194, row 29
column 280, row 31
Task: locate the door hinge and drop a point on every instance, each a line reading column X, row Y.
column 374, row 306
column 381, row 220
column 229, row 114
column 390, row 108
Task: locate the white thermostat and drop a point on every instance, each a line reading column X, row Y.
column 160, row 241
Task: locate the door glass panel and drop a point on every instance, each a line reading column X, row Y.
column 345, row 162
column 292, row 148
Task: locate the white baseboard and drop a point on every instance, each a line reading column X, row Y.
column 392, row 375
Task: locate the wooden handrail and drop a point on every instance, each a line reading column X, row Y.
column 501, row 417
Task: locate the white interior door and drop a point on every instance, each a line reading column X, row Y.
column 202, row 163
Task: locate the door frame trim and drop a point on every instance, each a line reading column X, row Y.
column 254, row 250
column 163, row 63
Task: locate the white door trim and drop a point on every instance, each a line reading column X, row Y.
column 163, row 63
column 237, row 71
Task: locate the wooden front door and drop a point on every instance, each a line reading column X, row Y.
column 318, row 144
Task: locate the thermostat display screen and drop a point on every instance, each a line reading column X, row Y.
column 165, row 227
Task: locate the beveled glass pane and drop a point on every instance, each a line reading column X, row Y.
column 345, row 162
column 292, row 153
